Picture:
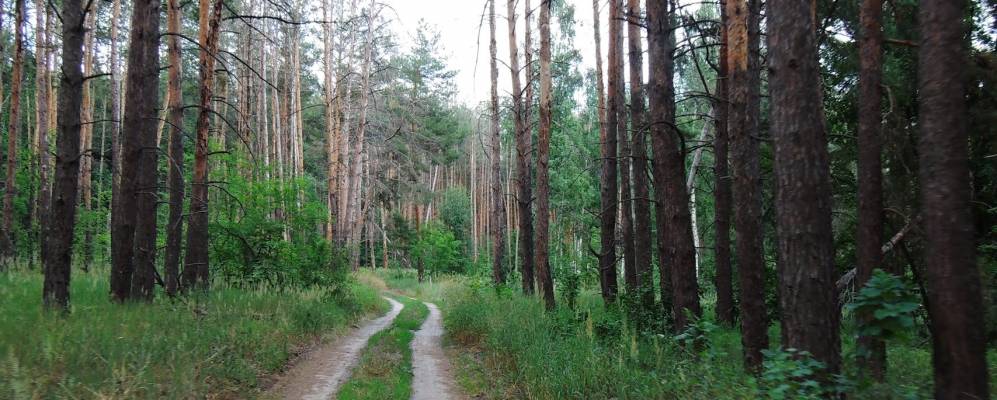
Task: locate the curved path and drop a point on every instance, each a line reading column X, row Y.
column 320, row 373
column 433, row 378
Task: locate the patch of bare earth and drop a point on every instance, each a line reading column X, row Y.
column 318, row 374
column 433, row 375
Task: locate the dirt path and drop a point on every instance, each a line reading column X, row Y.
column 433, row 378
column 320, row 373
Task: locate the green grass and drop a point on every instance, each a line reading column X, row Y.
column 385, row 369
column 507, row 347
column 214, row 345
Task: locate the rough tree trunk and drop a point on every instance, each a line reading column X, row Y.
column 746, row 170
column 722, row 191
column 678, row 254
column 607, row 180
column 13, row 131
column 41, row 124
column 65, row 185
column 498, row 203
column 546, row 283
column 175, row 181
column 872, row 355
column 809, row 305
column 642, row 196
column 954, row 294
column 524, row 156
column 196, row 272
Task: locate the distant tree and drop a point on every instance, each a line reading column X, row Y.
column 498, row 198
column 722, row 191
column 13, row 131
column 524, row 155
column 608, row 116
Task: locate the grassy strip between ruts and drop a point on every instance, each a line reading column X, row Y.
column 215, row 345
column 385, row 369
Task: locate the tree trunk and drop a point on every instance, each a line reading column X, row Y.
column 41, row 123
column 498, row 200
column 13, row 131
column 524, row 156
column 331, row 138
column 59, row 231
column 678, row 255
column 546, row 283
column 607, row 180
column 133, row 272
column 722, row 192
column 642, row 196
column 809, row 305
column 954, row 295
column 86, row 168
column 746, row 170
column 196, row 272
column 175, row 181
column 872, row 353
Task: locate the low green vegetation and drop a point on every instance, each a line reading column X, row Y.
column 385, row 369
column 506, row 347
column 219, row 344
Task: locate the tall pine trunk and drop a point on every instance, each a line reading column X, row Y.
column 742, row 125
column 954, row 295
column 524, row 156
column 642, row 197
column 41, row 123
column 722, row 191
column 13, row 131
column 65, row 185
column 196, row 271
column 678, row 254
column 872, row 353
column 607, row 180
column 808, row 301
column 498, row 200
column 546, row 282
column 175, row 181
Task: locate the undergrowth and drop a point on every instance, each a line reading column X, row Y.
column 216, row 345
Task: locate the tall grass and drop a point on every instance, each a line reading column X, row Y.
column 217, row 344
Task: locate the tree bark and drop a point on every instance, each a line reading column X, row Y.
column 132, row 273
column 642, row 196
column 678, row 254
column 13, row 131
column 59, row 231
column 41, row 124
column 86, row 168
column 546, row 282
column 871, row 356
column 722, row 192
column 810, row 319
column 742, row 127
column 196, row 272
column 954, row 294
column 175, row 181
column 607, row 180
column 524, row 156
column 331, row 138
column 498, row 200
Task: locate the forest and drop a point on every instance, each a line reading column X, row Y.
column 521, row 199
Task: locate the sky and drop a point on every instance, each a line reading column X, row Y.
column 464, row 38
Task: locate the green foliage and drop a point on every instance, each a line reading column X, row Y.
column 890, row 301
column 438, row 250
column 248, row 245
column 213, row 346
column 793, row 374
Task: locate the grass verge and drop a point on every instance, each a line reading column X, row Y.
column 385, row 369
column 216, row 345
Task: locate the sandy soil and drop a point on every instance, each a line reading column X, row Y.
column 433, row 378
column 318, row 375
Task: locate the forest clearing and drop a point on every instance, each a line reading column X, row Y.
column 484, row 199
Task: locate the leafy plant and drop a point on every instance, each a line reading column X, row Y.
column 795, row 374
column 890, row 302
